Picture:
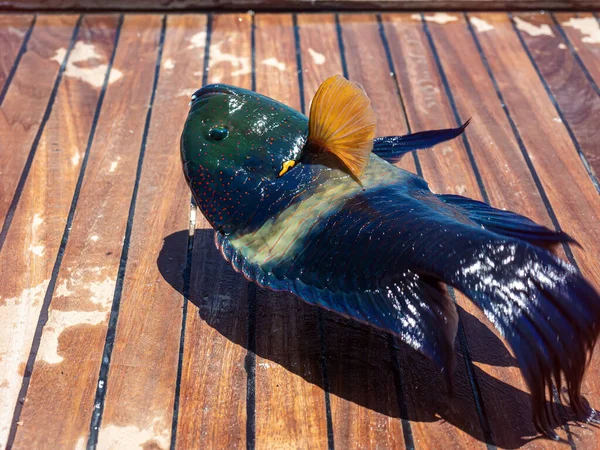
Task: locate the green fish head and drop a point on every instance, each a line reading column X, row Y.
column 233, row 147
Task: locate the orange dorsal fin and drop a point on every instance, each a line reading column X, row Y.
column 342, row 122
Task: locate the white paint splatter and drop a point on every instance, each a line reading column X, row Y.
column 440, row 18
column 460, row 189
column 446, row 150
column 84, row 52
column 562, row 46
column 114, row 164
column 318, row 58
column 94, row 238
column 198, row 40
column 588, row 26
column 557, row 119
column 186, row 92
column 37, row 221
column 273, row 62
column 76, row 158
column 169, row 64
column 37, row 250
column 480, row 25
column 533, row 30
column 16, row 31
column 155, row 436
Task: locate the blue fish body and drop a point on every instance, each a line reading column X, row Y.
column 381, row 250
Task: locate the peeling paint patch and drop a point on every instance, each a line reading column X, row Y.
column 318, row 58
column 169, row 64
column 440, row 18
column 58, row 322
column 84, row 52
column 273, row 62
column 114, row 437
column 533, row 30
column 480, row 25
column 93, row 292
column 588, row 26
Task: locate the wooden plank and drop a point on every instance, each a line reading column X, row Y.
column 69, row 356
column 141, row 393
column 364, row 403
column 577, row 99
column 26, row 101
column 290, row 403
column 212, row 411
column 33, row 241
column 319, row 5
column 447, row 169
column 14, row 31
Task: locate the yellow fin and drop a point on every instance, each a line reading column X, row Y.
column 342, row 122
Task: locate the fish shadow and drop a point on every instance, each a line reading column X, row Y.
column 355, row 363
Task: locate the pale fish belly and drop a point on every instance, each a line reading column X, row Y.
column 281, row 237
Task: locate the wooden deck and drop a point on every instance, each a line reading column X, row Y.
column 121, row 330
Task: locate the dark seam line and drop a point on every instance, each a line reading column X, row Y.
column 463, row 342
column 481, row 414
column 34, row 146
column 390, row 61
column 187, row 271
column 43, row 317
column 582, row 156
column 409, row 442
column 250, row 360
column 452, row 102
column 575, row 54
column 338, row 28
column 21, row 52
column 209, row 25
column 473, row 380
column 532, row 170
column 323, row 356
column 102, row 384
column 405, row 422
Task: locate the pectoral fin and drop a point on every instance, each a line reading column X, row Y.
column 342, row 122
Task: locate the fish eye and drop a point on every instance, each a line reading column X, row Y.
column 218, row 133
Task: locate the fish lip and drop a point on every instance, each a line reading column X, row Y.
column 211, row 89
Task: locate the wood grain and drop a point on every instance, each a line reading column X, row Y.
column 212, row 410
column 336, row 5
column 140, row 395
column 70, row 352
column 32, row 243
column 290, row 402
column 26, row 99
column 13, row 31
column 579, row 103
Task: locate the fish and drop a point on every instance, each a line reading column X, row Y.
column 316, row 207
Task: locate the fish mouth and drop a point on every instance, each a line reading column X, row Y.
column 211, row 90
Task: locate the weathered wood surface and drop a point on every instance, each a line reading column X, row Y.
column 317, row 5
column 116, row 317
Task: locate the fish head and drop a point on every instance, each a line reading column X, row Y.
column 233, row 147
